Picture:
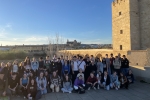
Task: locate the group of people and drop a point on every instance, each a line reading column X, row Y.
column 33, row 78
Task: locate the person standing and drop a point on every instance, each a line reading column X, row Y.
column 75, row 69
column 81, row 64
column 111, row 63
column 117, row 65
column 88, row 69
column 124, row 65
column 59, row 66
column 34, row 66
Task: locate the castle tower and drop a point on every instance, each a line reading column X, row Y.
column 125, row 25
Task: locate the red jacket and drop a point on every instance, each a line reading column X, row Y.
column 92, row 80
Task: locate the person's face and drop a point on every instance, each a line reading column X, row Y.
column 99, row 73
column 130, row 72
column 115, row 73
column 66, row 77
column 80, row 70
column 116, row 58
column 25, row 75
column 41, row 74
column 16, row 62
column 9, row 64
column 2, row 64
column 92, row 75
column 47, row 58
column 32, row 81
column 22, row 64
column 34, row 59
column 105, row 73
column 54, row 73
column 111, row 55
column 31, row 74
column 121, row 74
column 106, row 56
column 14, row 76
column 46, row 73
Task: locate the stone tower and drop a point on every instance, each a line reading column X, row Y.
column 131, row 24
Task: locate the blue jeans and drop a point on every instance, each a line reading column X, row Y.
column 125, row 70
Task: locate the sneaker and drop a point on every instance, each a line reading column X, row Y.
column 98, row 88
column 94, row 88
column 116, row 88
column 24, row 97
column 70, row 92
column 89, row 88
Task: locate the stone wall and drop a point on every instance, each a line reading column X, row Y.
column 121, row 22
column 145, row 23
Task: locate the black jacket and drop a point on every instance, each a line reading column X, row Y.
column 107, row 80
column 125, row 63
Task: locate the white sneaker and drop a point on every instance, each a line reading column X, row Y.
column 89, row 88
column 70, row 92
column 30, row 98
column 24, row 97
column 116, row 88
column 94, row 88
column 98, row 88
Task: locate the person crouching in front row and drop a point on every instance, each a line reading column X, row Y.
column 79, row 85
column 67, row 85
column 106, row 80
column 55, row 82
column 92, row 82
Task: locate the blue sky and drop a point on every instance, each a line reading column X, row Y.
column 34, row 21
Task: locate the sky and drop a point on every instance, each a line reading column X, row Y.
column 39, row 21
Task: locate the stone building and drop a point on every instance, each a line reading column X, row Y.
column 131, row 24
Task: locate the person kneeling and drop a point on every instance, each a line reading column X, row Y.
column 79, row 85
column 67, row 85
column 106, row 80
column 92, row 82
column 55, row 82
column 114, row 81
column 31, row 89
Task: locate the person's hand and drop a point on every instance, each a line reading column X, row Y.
column 13, row 89
column 4, row 93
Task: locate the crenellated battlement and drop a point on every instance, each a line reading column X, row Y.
column 118, row 2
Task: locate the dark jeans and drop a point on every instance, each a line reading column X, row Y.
column 74, row 76
column 89, row 85
column 38, row 95
column 117, row 71
column 125, row 70
column 124, row 85
column 112, row 68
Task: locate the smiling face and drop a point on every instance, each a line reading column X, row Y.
column 2, row 64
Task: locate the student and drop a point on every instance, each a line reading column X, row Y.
column 79, row 85
column 48, row 81
column 117, row 65
column 31, row 89
column 13, row 84
column 108, row 64
column 81, row 64
column 41, row 65
column 15, row 67
column 3, row 80
column 123, row 81
column 55, row 82
column 24, row 81
column 65, row 69
column 114, row 81
column 59, row 66
column 21, row 69
column 67, row 85
column 53, row 66
column 124, row 65
column 27, row 64
column 130, row 77
column 104, row 64
column 111, row 63
column 99, row 65
column 41, row 83
column 75, row 69
column 99, row 78
column 93, row 68
column 81, row 73
column 92, row 82
column 47, row 63
column 62, row 60
column 106, row 80
column 88, row 69
column 34, row 66
column 9, row 68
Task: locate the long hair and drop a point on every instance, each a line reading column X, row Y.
column 27, row 61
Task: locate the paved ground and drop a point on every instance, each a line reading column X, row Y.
column 137, row 91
